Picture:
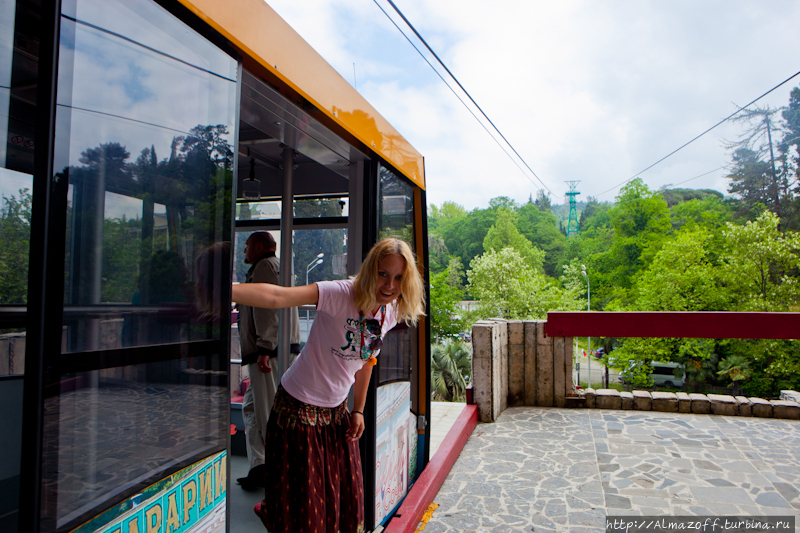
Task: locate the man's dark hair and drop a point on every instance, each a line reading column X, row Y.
column 263, row 238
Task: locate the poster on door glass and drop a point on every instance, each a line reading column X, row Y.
column 395, row 447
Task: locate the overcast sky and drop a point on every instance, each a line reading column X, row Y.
column 589, row 91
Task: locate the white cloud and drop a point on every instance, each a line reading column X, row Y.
column 594, row 91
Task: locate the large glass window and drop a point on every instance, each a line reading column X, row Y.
column 144, row 136
column 19, row 55
column 396, row 220
column 396, row 207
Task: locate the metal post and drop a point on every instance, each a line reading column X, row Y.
column 588, row 339
column 287, row 265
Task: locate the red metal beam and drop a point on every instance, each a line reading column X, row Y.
column 686, row 324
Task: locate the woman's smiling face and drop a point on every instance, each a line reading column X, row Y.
column 390, row 275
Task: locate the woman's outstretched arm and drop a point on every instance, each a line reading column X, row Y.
column 359, row 401
column 272, row 296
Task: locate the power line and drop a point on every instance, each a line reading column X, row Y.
column 700, row 176
column 456, row 95
column 708, row 130
column 411, row 26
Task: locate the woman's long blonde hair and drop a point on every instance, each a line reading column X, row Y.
column 411, row 303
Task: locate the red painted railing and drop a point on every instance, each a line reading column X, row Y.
column 698, row 325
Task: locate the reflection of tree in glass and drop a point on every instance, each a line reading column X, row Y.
column 168, row 277
column 121, row 243
column 15, row 234
column 185, row 207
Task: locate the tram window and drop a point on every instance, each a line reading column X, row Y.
column 303, row 208
column 240, row 268
column 144, row 134
column 321, row 207
column 394, row 362
column 269, row 210
column 112, row 432
column 396, row 207
column 309, row 265
column 147, row 148
column 396, row 220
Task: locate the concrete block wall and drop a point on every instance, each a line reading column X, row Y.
column 487, row 364
column 515, row 364
column 680, row 402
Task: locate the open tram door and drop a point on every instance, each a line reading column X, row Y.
column 134, row 125
column 334, row 197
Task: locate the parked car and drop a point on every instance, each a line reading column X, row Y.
column 663, row 374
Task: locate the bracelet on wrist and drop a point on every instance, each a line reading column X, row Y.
column 359, row 412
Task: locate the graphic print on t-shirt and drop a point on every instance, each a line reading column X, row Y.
column 352, row 349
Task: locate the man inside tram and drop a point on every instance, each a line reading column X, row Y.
column 258, row 336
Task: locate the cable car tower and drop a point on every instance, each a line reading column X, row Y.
column 572, row 225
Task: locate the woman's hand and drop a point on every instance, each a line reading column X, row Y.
column 356, row 426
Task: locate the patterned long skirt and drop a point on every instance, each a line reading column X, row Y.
column 313, row 472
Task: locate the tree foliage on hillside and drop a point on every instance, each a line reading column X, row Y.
column 674, row 249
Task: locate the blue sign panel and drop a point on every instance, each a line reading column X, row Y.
column 189, row 501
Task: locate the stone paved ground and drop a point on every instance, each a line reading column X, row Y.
column 547, row 469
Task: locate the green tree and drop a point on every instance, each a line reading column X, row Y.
column 760, row 139
column 736, row 368
column 508, row 288
column 463, row 236
column 541, row 229
column 451, row 370
column 684, row 265
column 542, row 202
column 710, row 212
column 750, row 180
column 789, row 149
column 444, row 312
column 449, row 212
column 677, row 196
column 699, row 361
column 504, row 234
column 641, row 224
column 760, row 264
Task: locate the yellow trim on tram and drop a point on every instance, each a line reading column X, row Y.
column 259, row 32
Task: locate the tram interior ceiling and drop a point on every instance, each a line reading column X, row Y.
column 269, row 123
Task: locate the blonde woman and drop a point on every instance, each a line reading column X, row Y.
column 313, row 463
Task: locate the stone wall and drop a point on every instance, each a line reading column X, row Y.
column 681, row 402
column 515, row 364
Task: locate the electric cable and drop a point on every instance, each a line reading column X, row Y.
column 700, row 176
column 708, row 130
column 408, row 23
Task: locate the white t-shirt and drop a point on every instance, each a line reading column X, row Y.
column 325, row 369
